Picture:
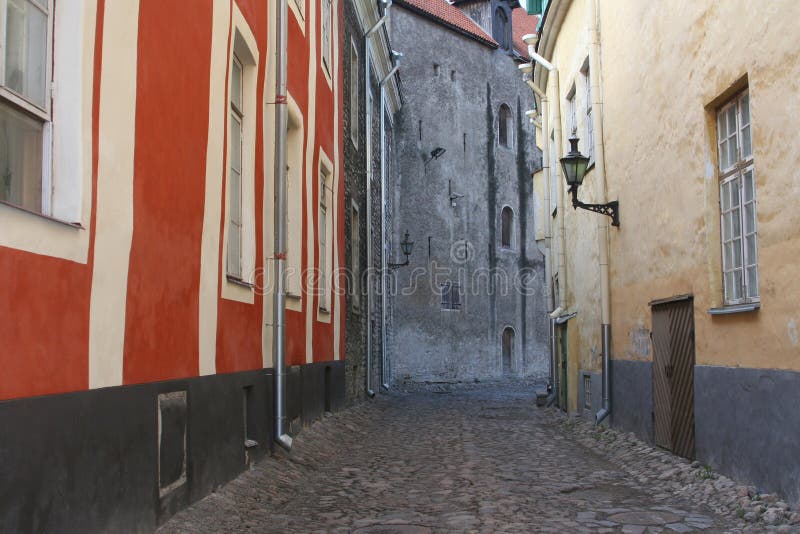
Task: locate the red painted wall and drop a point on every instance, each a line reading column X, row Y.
column 161, row 334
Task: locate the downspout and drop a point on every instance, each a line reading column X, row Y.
column 546, row 173
column 602, row 233
column 279, row 343
column 384, row 259
column 368, row 142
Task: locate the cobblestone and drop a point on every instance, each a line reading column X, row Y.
column 469, row 458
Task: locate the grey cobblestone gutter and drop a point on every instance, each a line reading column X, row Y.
column 478, row 458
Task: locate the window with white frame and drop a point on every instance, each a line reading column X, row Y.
column 572, row 117
column 235, row 175
column 294, row 201
column 301, row 7
column 354, row 88
column 25, row 122
column 588, row 145
column 355, row 254
column 324, row 235
column 326, row 35
column 737, row 198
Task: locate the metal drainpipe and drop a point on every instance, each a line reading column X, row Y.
column 600, row 169
column 384, row 259
column 368, row 149
column 548, row 233
column 281, row 121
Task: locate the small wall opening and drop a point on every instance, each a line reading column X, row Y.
column 508, row 350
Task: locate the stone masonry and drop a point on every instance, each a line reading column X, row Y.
column 476, row 458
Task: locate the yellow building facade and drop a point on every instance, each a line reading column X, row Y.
column 689, row 113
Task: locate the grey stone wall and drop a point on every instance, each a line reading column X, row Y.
column 359, row 317
column 453, row 88
column 632, row 397
column 354, row 193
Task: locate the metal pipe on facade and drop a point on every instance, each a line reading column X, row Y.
column 368, row 150
column 281, row 122
column 384, row 260
column 600, row 170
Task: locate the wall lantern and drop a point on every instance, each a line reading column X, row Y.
column 407, row 246
column 574, row 166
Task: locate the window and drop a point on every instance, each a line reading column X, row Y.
column 355, row 254
column 737, row 197
column 239, row 243
column 294, row 201
column 235, row 176
column 324, row 235
column 505, row 126
column 588, row 146
column 326, row 36
column 572, row 117
column 354, row 88
column 25, row 127
column 451, row 296
column 508, row 222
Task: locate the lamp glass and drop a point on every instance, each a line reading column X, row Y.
column 574, row 165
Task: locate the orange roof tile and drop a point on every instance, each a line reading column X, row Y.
column 449, row 16
column 522, row 24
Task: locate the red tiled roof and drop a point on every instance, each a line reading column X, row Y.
column 522, row 24
column 450, row 16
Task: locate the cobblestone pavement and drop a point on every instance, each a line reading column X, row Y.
column 465, row 459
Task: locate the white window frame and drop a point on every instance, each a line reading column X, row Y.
column 736, row 199
column 589, row 126
column 325, row 235
column 43, row 114
column 326, row 37
column 572, row 117
column 243, row 51
column 295, row 185
column 354, row 89
column 234, row 264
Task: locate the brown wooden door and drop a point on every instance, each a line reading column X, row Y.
column 673, row 376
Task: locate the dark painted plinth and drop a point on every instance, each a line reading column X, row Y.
column 313, row 389
column 89, row 461
column 747, row 423
column 632, row 398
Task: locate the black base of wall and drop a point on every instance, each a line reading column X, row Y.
column 127, row 458
column 632, row 397
column 748, row 426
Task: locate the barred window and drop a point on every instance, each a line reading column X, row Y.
column 451, row 296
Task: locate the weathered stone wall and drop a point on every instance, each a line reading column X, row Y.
column 355, row 193
column 453, row 89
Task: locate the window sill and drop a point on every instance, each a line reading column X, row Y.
column 735, row 308
column 238, row 281
column 78, row 226
column 324, row 310
column 294, row 296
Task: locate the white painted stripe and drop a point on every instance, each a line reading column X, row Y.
column 212, row 211
column 311, row 171
column 114, row 224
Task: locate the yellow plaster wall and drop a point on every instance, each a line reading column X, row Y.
column 660, row 83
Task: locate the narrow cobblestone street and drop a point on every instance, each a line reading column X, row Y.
column 481, row 458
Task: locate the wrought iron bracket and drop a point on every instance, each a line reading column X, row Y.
column 611, row 209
